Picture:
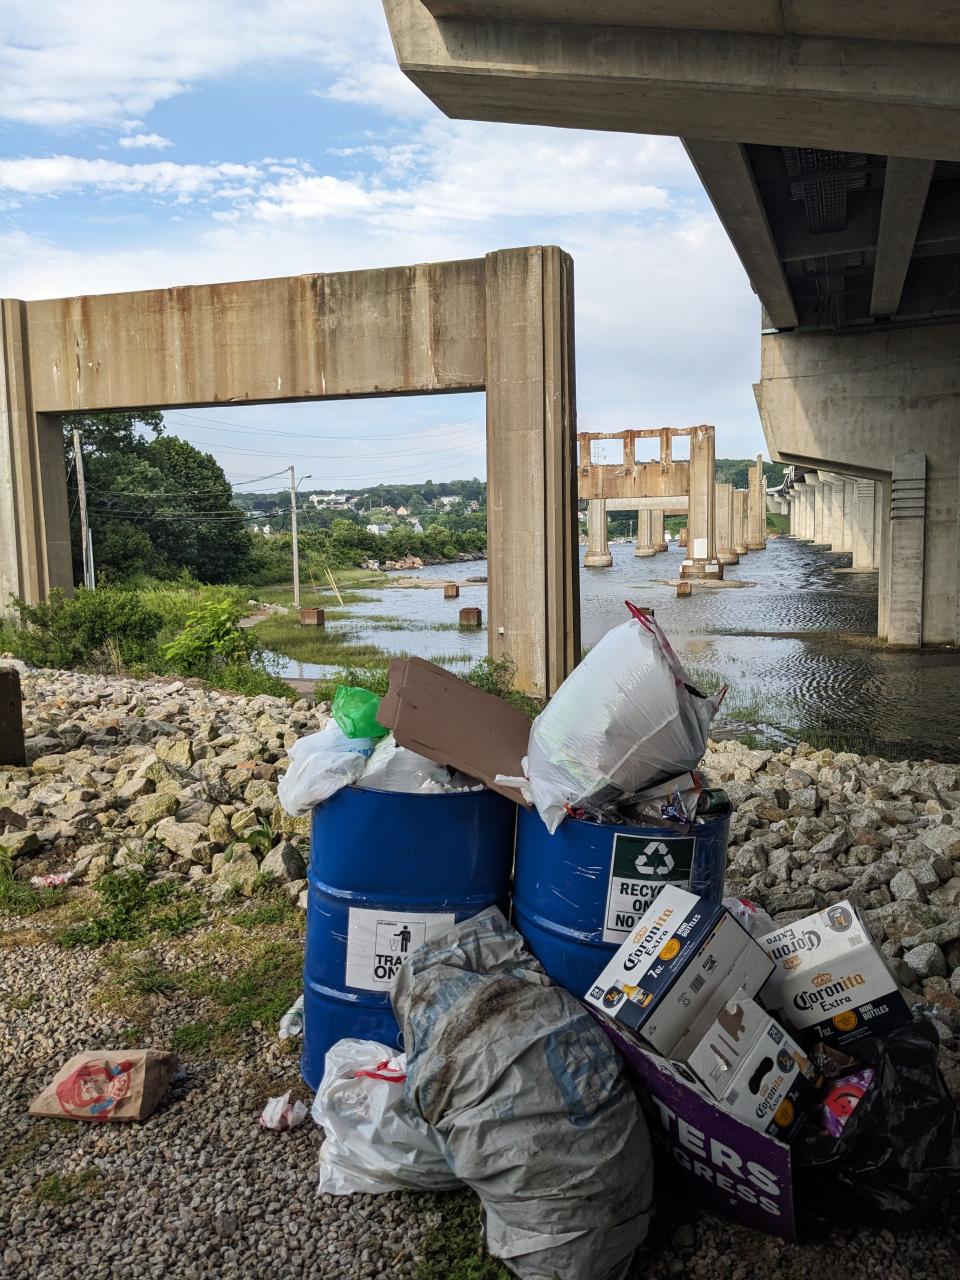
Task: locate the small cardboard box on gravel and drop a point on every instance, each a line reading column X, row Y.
column 105, row 1085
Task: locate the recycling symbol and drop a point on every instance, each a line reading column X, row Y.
column 655, row 859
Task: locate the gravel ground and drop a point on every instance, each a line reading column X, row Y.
column 200, row 1189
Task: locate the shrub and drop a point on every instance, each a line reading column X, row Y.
column 210, row 638
column 102, row 627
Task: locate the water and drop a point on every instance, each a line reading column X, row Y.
column 807, row 675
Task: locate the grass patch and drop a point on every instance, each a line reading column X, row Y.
column 133, row 906
column 336, row 647
column 271, row 905
column 453, row 1250
column 18, row 897
column 67, row 1188
column 260, row 992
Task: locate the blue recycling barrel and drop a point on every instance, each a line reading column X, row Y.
column 578, row 893
column 386, row 867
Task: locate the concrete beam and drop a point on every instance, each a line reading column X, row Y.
column 677, row 505
column 644, row 545
column 905, row 188
column 891, row 99
column 395, row 331
column 725, row 171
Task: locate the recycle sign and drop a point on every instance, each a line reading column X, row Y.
column 639, row 869
column 655, row 858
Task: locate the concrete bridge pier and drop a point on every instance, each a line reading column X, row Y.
column 644, row 544
column 864, row 525
column 740, row 521
column 598, row 549
column 701, row 560
column 659, row 541
column 757, row 507
column 726, row 551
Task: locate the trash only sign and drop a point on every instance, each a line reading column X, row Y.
column 639, row 869
column 378, row 942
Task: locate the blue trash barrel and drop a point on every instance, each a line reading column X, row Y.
column 386, row 867
column 577, row 893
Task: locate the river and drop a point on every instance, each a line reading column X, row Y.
column 813, row 672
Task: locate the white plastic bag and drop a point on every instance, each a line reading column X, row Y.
column 625, row 719
column 375, row 1142
column 280, row 1113
column 320, row 764
column 396, row 768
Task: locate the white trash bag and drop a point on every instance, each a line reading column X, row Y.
column 320, row 764
column 625, row 719
column 375, row 1141
column 396, row 768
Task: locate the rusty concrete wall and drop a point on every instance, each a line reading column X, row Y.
column 391, row 331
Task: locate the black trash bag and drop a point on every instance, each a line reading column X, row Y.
column 898, row 1154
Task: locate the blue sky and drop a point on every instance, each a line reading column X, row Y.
column 145, row 146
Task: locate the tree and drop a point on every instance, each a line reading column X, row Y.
column 157, row 506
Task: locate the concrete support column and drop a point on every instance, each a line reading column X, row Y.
column 808, row 500
column 598, row 548
column 825, row 538
column 879, row 524
column 756, row 507
column 534, row 610
column 849, row 512
column 644, row 544
column 701, row 560
column 863, row 524
column 839, row 494
column 726, row 552
column 34, row 520
column 659, row 541
column 740, row 521
column 908, row 504
column 816, row 512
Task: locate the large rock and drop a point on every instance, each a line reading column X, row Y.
column 175, row 751
column 180, row 837
column 940, row 839
column 236, row 869
column 283, row 863
column 17, row 843
column 152, row 808
column 926, row 960
column 904, row 888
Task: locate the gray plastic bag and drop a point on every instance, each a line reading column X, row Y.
column 530, row 1101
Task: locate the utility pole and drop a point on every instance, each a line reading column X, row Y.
column 293, row 534
column 86, row 541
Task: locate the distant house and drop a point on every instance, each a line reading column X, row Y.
column 381, row 530
column 415, row 524
column 473, row 506
column 402, row 511
column 448, row 501
column 263, row 529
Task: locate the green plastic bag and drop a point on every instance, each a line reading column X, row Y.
column 355, row 711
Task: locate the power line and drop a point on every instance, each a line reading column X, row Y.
column 304, row 435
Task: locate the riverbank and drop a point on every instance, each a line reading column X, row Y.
column 155, row 782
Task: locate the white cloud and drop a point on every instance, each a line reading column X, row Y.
column 52, row 175
column 144, row 141
column 109, row 62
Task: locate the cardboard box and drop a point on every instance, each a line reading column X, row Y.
column 670, row 978
column 754, row 1068
column 830, row 979
column 447, row 720
column 729, row 1167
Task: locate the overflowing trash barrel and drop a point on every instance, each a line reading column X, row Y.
column 388, row 868
column 579, row 892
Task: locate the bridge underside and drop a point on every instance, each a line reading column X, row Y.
column 827, row 136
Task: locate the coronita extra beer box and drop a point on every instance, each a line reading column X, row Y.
column 752, row 1066
column 674, row 972
column 831, row 979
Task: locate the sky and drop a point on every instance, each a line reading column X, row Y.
column 144, row 146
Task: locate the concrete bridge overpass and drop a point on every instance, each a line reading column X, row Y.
column 827, row 136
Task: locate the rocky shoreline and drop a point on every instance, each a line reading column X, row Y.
column 181, row 779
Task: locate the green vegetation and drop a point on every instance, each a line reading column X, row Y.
column 134, row 905
column 18, row 897
column 454, row 1250
column 103, row 629
column 62, row 1189
column 259, row 993
column 776, row 523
